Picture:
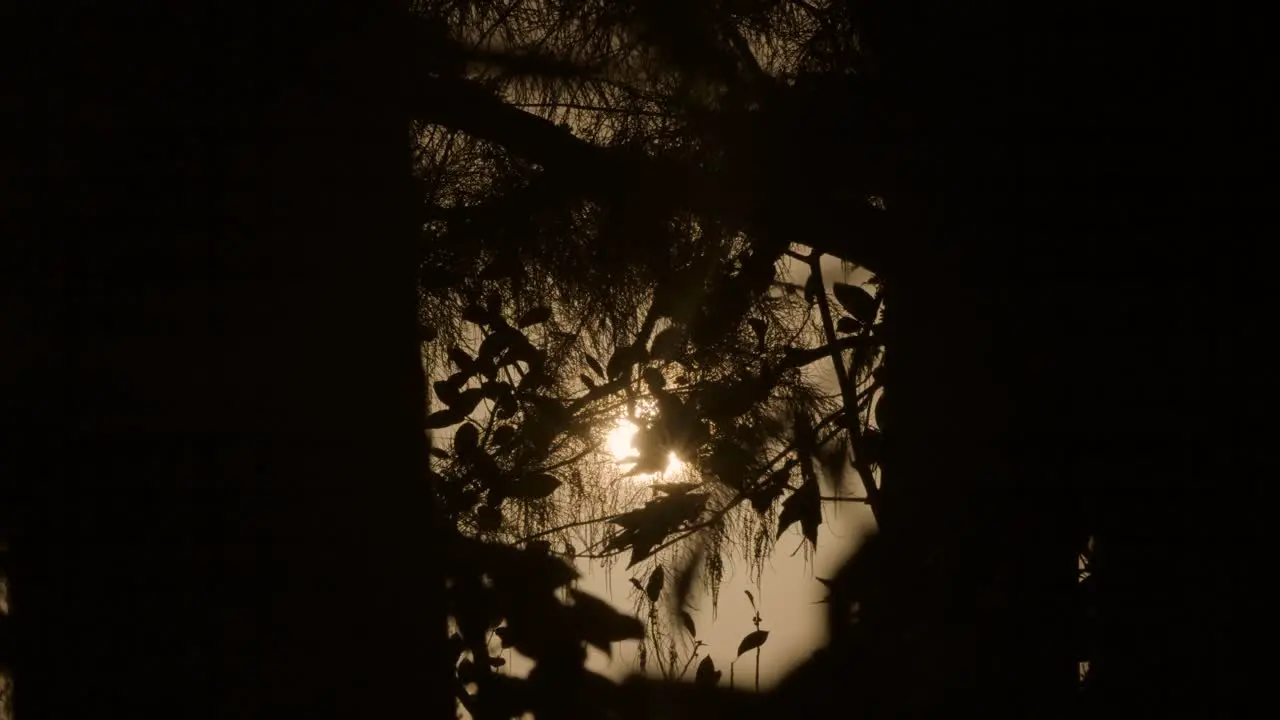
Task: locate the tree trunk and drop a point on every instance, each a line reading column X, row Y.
column 217, row 415
column 1052, row 345
column 975, row 492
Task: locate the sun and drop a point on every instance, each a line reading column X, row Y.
column 620, row 437
column 619, row 442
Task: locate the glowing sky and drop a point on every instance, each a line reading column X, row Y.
column 619, row 444
column 787, row 595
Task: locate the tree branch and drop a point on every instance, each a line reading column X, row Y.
column 597, row 171
column 743, row 49
column 578, row 523
column 801, row 357
column 848, row 392
column 574, row 459
column 464, row 105
column 842, row 498
column 593, row 108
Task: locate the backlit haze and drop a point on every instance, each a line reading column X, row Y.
column 788, row 595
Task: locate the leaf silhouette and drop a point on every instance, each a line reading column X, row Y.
column 751, row 598
column 830, row 586
column 805, row 506
column 493, row 304
column 475, row 314
column 769, row 490
column 496, row 389
column 443, row 419
column 586, row 380
column 440, row 453
column 684, row 581
column 758, row 326
column 535, row 316
column 752, row 641
column 729, row 462
column 856, row 301
column 668, row 344
column 646, row 527
column 488, row 519
column 636, row 583
column 622, row 360
column 871, row 445
column 594, row 364
column 466, row 439
column 600, row 624
column 687, row 619
column 501, row 633
column 639, row 553
column 492, row 345
column 448, row 390
column 456, row 645
column 724, row 401
column 504, row 435
column 460, row 358
column 654, row 380
column 848, row 325
column 536, row 486
column 654, row 587
column 707, row 674
column 467, row 400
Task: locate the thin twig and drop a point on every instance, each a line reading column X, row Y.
column 567, row 526
column 842, row 498
column 696, row 644
column 574, row 459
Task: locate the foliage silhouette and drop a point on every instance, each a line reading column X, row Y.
column 714, row 368
column 630, row 167
column 610, row 164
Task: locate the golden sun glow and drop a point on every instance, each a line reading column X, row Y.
column 620, row 445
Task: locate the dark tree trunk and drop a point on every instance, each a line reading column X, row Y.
column 1054, row 339
column 215, row 410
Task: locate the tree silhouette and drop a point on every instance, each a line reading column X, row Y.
column 212, row 476
column 982, row 522
column 528, row 423
column 629, row 290
column 228, row 500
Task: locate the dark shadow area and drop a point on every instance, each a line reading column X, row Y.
column 216, row 498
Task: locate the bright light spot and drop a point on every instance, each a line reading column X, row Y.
column 620, row 438
column 620, row 443
column 674, row 464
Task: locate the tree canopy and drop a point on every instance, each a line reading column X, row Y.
column 617, row 211
column 612, row 196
